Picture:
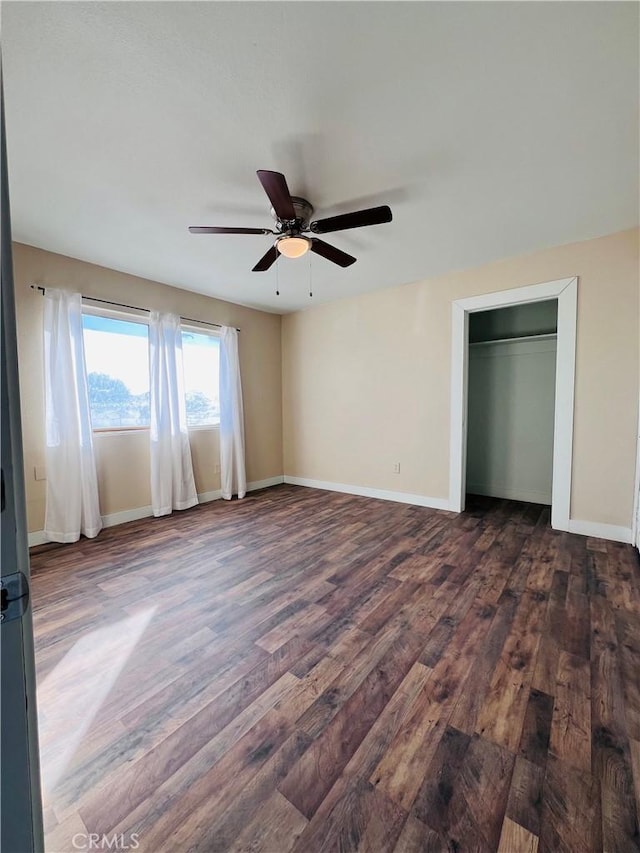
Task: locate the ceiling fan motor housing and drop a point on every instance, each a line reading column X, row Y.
column 304, row 212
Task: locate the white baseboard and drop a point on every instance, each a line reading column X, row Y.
column 366, row 492
column 115, row 518
column 37, row 537
column 613, row 532
column 265, row 484
column 595, row 529
column 205, row 497
column 584, row 528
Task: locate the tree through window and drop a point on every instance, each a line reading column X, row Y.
column 201, row 356
column 117, row 357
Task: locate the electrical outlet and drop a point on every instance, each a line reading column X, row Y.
column 396, row 467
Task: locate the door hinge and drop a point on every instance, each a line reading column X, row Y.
column 14, row 590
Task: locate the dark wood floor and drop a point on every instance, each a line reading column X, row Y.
column 309, row 671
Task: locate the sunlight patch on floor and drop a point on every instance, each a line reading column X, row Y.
column 72, row 694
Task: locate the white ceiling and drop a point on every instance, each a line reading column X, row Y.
column 491, row 129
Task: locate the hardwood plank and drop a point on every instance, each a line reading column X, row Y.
column 276, row 826
column 465, row 803
column 431, row 805
column 324, row 644
column 60, row 837
column 525, row 795
column 227, row 821
column 184, row 819
column 312, row 777
column 571, row 723
column 438, row 641
column 422, row 610
column 349, row 679
column 628, row 634
column 634, row 746
column 495, row 575
column 613, row 770
column 418, row 838
column 570, row 817
column 576, row 633
column 544, row 676
column 401, row 771
column 472, row 698
column 297, row 624
column 536, row 730
column 376, row 742
column 596, row 545
column 501, row 718
column 377, row 618
column 315, row 684
column 516, row 839
column 356, row 817
column 546, row 552
column 222, row 723
column 611, row 754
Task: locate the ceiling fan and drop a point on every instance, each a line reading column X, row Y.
column 292, row 215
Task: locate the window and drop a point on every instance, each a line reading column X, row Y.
column 117, row 357
column 201, row 355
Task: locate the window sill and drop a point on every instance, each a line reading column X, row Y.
column 110, row 430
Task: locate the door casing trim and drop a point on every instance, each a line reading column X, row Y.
column 565, row 290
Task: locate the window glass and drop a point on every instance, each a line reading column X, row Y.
column 201, row 354
column 117, row 357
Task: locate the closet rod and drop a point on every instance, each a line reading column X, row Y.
column 131, row 307
column 543, row 337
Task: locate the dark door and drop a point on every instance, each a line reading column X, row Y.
column 21, row 813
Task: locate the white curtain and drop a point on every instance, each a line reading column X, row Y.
column 232, row 469
column 172, row 483
column 72, row 504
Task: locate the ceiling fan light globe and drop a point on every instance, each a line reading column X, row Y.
column 293, row 247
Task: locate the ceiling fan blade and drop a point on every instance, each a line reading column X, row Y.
column 206, row 229
column 331, row 253
column 357, row 219
column 267, row 260
column 275, row 186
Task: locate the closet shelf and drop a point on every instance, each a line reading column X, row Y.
column 545, row 337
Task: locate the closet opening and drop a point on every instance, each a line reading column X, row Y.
column 511, row 402
column 512, row 455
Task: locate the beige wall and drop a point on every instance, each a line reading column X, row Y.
column 123, row 457
column 366, row 381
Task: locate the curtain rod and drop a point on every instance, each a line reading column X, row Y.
column 132, row 307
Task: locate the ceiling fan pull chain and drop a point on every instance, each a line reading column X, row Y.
column 310, row 288
column 277, row 282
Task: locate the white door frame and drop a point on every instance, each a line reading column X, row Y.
column 565, row 290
